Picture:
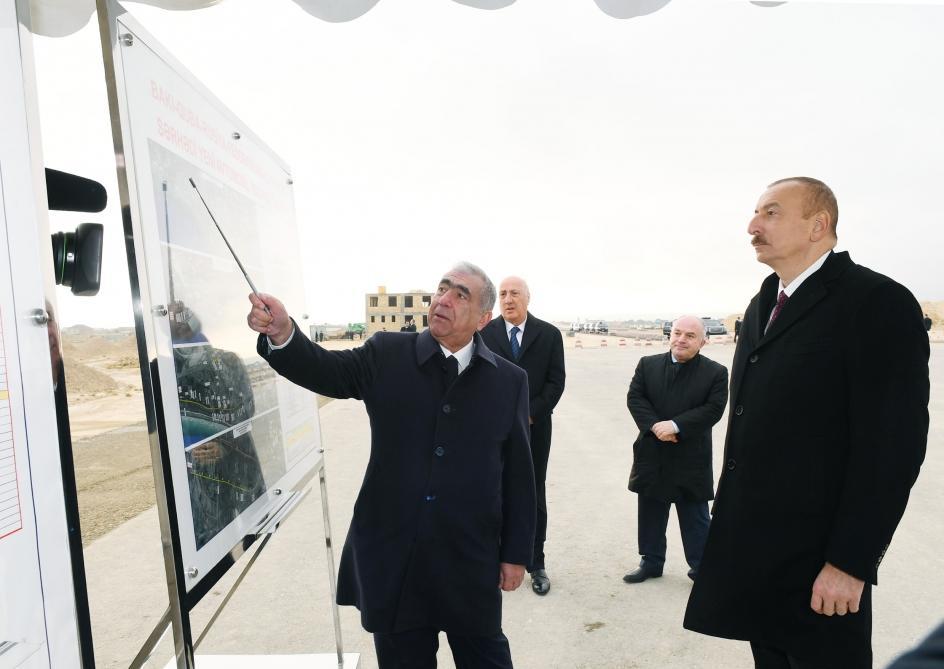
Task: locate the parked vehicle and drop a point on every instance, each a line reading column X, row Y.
column 590, row 327
column 714, row 327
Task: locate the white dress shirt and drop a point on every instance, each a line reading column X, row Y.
column 793, row 285
column 463, row 356
column 520, row 334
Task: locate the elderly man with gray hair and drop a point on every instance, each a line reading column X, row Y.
column 445, row 518
column 675, row 398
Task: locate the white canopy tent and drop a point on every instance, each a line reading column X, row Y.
column 57, row 18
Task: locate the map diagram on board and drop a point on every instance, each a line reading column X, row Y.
column 227, row 397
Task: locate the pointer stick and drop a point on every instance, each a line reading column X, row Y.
column 228, row 245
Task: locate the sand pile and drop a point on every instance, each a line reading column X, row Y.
column 82, row 344
column 84, row 382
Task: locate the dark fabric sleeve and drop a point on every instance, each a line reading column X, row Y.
column 339, row 374
column 696, row 421
column 553, row 387
column 888, row 429
column 637, row 399
column 928, row 655
column 519, row 509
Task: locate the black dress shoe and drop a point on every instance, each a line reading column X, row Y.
column 692, row 573
column 540, row 583
column 640, row 575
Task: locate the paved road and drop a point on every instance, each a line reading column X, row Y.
column 589, row 619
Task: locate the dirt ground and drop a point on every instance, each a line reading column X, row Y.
column 589, row 620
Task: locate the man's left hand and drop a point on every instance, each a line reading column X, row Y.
column 510, row 576
column 835, row 592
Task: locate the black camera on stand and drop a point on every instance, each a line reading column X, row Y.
column 77, row 256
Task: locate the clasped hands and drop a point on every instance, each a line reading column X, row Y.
column 665, row 431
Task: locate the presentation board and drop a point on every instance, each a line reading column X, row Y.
column 37, row 601
column 235, row 433
column 22, row 632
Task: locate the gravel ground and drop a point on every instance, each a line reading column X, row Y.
column 589, row 619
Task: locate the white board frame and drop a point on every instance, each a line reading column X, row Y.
column 129, row 40
column 51, row 639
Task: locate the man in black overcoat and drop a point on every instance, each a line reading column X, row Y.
column 675, row 398
column 827, row 430
column 445, row 517
column 537, row 347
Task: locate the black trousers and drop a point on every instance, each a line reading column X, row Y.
column 540, row 453
column 768, row 657
column 416, row 649
column 654, row 519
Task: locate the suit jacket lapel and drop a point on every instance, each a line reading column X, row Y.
column 807, row 295
column 670, row 374
column 502, row 336
column 765, row 304
column 531, row 332
column 811, row 291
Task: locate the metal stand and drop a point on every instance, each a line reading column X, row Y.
column 340, row 659
column 331, row 572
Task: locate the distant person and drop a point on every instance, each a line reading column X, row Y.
column 537, row 347
column 826, row 435
column 927, row 323
column 737, row 328
column 409, row 326
column 445, row 517
column 675, row 398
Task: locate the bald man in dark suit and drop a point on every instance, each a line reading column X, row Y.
column 537, row 347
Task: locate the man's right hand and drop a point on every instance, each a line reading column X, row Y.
column 268, row 317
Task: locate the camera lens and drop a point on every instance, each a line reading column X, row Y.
column 77, row 258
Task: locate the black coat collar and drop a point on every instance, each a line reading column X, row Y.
column 811, row 291
column 531, row 332
column 427, row 347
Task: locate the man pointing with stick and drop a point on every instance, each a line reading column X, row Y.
column 445, row 518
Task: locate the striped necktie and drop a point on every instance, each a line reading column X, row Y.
column 513, row 340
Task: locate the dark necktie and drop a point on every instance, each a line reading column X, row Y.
column 674, row 368
column 513, row 340
column 451, row 370
column 781, row 300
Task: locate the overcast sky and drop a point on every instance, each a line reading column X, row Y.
column 612, row 163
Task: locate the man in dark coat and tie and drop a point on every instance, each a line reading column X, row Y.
column 826, row 434
column 537, row 347
column 675, row 398
column 445, row 517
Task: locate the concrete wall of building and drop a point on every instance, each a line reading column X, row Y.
column 385, row 311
